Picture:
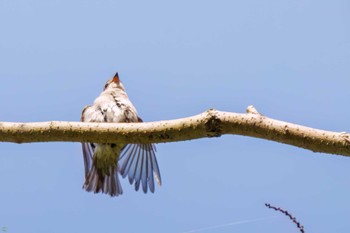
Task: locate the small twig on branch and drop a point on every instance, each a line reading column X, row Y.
column 211, row 123
column 300, row 227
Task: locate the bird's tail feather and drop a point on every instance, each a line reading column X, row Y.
column 97, row 182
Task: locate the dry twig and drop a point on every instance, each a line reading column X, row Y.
column 300, row 227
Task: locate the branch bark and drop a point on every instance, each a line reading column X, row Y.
column 211, row 123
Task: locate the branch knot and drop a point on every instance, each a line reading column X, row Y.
column 252, row 110
column 213, row 124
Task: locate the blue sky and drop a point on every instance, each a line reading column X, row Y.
column 290, row 59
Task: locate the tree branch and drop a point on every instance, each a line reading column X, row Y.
column 211, row 123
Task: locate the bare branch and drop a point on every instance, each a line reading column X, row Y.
column 211, row 123
column 294, row 220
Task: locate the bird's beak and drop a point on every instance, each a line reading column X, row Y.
column 116, row 78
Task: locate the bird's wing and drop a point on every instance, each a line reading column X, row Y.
column 89, row 114
column 87, row 154
column 139, row 163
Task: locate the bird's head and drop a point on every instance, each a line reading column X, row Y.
column 114, row 83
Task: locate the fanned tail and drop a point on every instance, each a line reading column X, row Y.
column 96, row 182
column 100, row 180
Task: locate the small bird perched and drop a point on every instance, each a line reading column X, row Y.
column 103, row 161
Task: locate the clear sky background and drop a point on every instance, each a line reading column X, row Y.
column 290, row 59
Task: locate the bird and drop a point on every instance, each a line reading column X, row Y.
column 103, row 161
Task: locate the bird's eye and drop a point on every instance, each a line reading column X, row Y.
column 106, row 86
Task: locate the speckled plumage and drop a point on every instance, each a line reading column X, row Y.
column 103, row 162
